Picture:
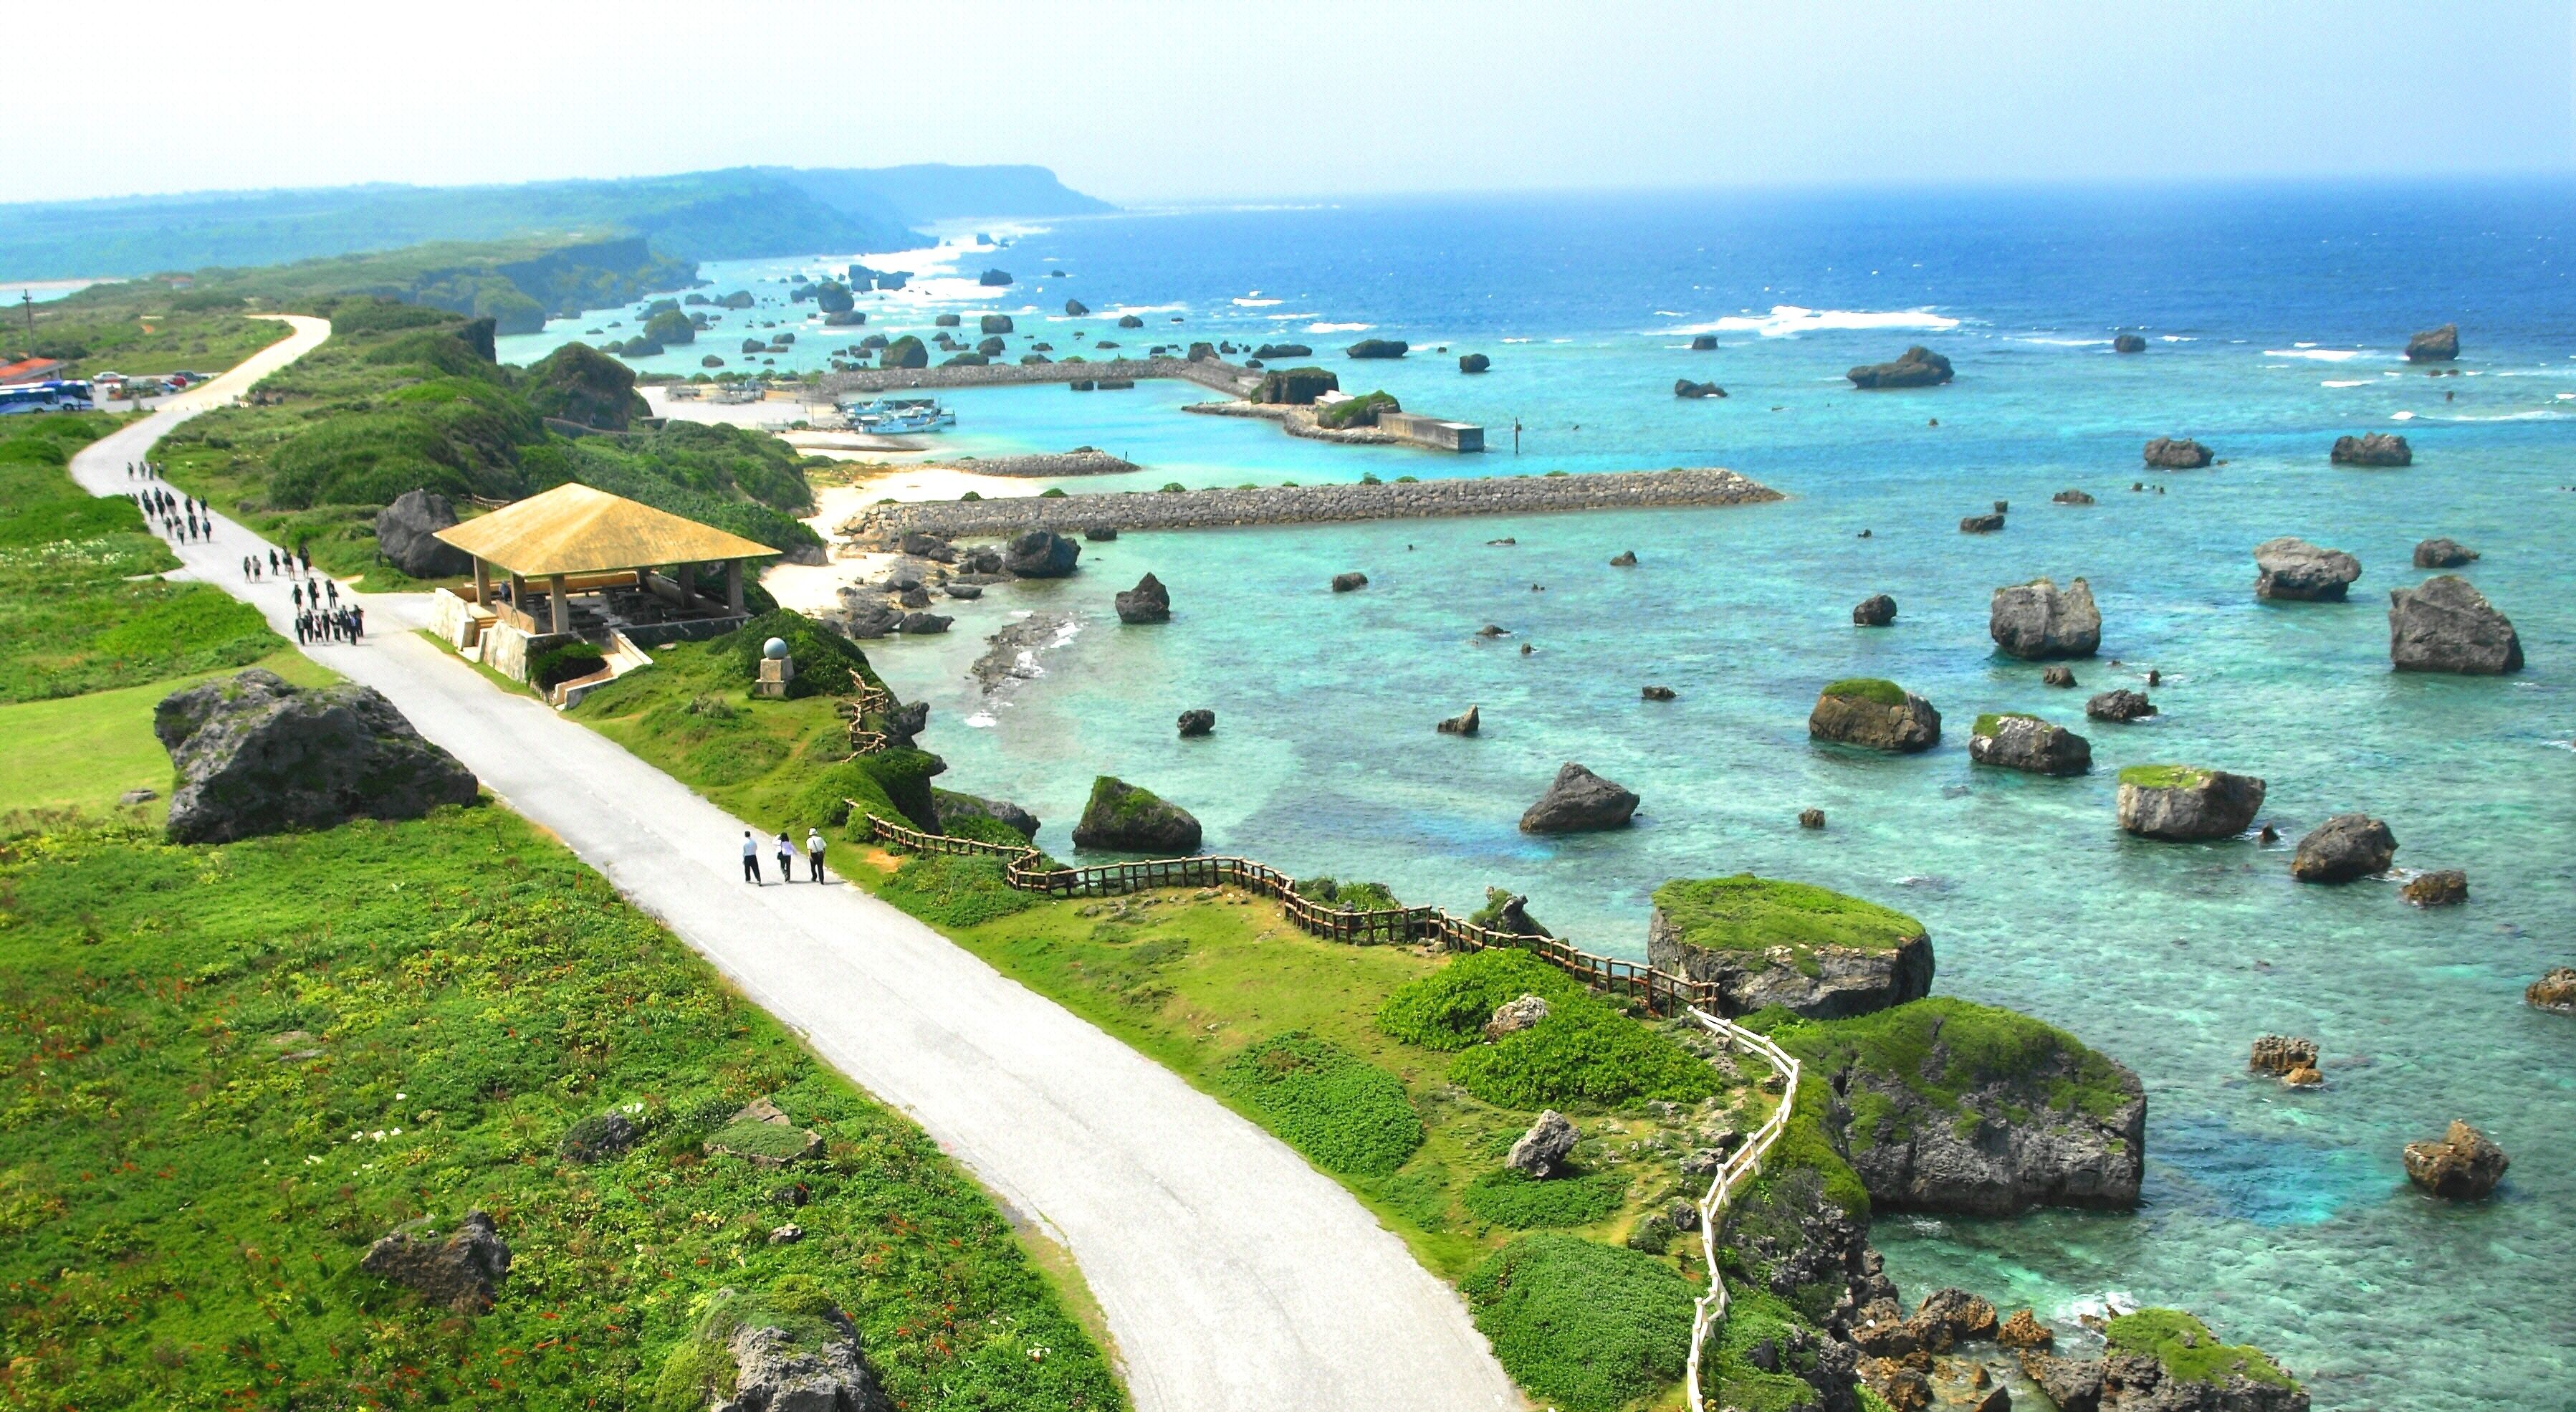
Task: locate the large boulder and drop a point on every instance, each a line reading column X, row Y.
column 256, row 756
column 2170, row 453
column 1579, row 801
column 1075, row 308
column 1915, row 367
column 2343, row 848
column 2462, row 1165
column 2554, row 992
column 2128, row 343
column 1377, row 348
column 1474, row 362
column 2294, row 569
column 2181, row 803
column 2443, row 887
column 904, row 353
column 1147, row 602
column 1684, row 387
column 1296, row 386
column 1041, row 554
column 1126, row 819
column 789, row 1366
column 1542, row 1151
column 955, row 808
column 2013, row 741
column 1767, row 942
column 2443, row 553
column 2434, row 345
column 2038, row 620
column 578, row 383
column 1875, row 611
column 1874, row 714
column 2120, row 704
column 2446, row 625
column 462, row 1270
column 1195, row 722
column 407, row 533
column 2376, row 448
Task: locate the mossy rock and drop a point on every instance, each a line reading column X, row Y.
column 2164, row 776
column 1766, row 942
column 1876, row 690
column 1127, row 818
column 765, row 1144
column 1992, row 721
column 2188, row 1352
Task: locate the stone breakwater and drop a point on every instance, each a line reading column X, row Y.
column 1311, row 504
column 1297, row 421
column 1059, row 463
column 1216, row 373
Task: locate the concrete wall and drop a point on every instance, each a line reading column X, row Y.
column 1218, row 374
column 1433, row 431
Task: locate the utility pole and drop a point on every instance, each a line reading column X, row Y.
column 27, row 299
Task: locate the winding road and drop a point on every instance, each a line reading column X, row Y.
column 1232, row 1275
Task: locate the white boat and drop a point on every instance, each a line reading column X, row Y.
column 895, row 416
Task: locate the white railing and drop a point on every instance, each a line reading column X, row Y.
column 1736, row 1171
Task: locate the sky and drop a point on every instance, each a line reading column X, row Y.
column 1218, row 101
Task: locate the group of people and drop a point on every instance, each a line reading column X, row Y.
column 319, row 616
column 330, row 625
column 183, row 517
column 786, row 857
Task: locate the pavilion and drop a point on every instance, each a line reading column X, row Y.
column 633, row 568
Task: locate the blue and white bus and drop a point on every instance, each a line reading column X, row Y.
column 56, row 396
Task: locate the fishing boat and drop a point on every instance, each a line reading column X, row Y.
column 895, row 416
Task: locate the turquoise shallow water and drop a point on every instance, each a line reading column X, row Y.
column 2282, row 1218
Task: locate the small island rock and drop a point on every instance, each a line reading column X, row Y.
column 2168, row 453
column 1344, row 583
column 1197, row 721
column 2434, row 345
column 2282, row 1055
column 1684, row 387
column 1378, row 348
column 1474, row 362
column 1466, row 722
column 1875, row 611
column 1703, row 343
column 1915, row 367
column 2443, row 554
column 2462, row 1166
column 1125, row 818
column 2343, row 848
column 1982, row 524
column 1147, row 602
column 2120, row 704
column 1579, row 801
column 1875, row 715
column 1823, row 955
column 2038, row 620
column 2059, row 675
column 2554, row 992
column 1041, row 554
column 2071, row 496
column 2013, row 741
column 2446, row 625
column 1624, row 559
column 2293, row 569
column 2443, row 887
column 2376, row 448
column 2128, row 343
column 2178, row 803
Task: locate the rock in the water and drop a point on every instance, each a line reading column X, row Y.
column 2445, row 887
column 2170, row 453
column 2071, row 496
column 1041, row 554
column 1687, row 388
column 2179, row 803
column 1703, row 343
column 1466, row 722
column 1100, row 534
column 1579, row 801
column 994, row 323
column 1541, row 1152
column 1513, row 1016
column 1915, row 367
column 1874, row 714
column 2023, row 1330
column 2446, row 625
column 1147, row 602
column 2295, row 569
column 1075, row 308
column 1651, row 692
column 2343, row 848
column 1377, row 348
column 1951, row 1316
column 1197, row 721
column 812, row 1367
column 921, row 623
column 956, row 808
column 2128, row 343
column 461, row 1271
column 2376, row 448
column 926, row 546
column 2279, row 1054
column 1130, row 321
column 2434, row 345
column 2120, row 704
column 2038, row 620
column 1624, row 559
column 407, row 534
column 1811, row 818
column 1767, row 942
column 598, row 1137
column 1344, row 583
column 1875, row 611
column 2462, row 1166
column 1474, row 362
column 1982, row 524
column 2014, row 741
column 2060, row 675
column 2554, row 992
column 256, row 756
column 1123, row 818
column 2443, row 554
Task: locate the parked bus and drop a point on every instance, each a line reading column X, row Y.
column 56, row 396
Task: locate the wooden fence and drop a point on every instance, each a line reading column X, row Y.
column 1731, row 1177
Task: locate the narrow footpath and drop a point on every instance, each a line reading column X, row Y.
column 1233, row 1275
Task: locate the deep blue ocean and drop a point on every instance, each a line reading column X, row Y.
column 2275, row 320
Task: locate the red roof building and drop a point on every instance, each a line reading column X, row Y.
column 33, row 370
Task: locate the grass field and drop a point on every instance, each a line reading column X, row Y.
column 81, row 752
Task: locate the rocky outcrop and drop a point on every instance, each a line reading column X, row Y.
column 1624, row 559
column 2343, row 848
column 2012, row 741
column 2376, row 448
column 994, row 323
column 955, row 808
column 811, row 1364
column 256, row 756
column 1516, row 1015
column 1652, row 692
column 407, row 534
column 2059, row 675
column 1466, row 722
column 1703, row 343
column 1377, row 348
column 462, row 1270
column 2445, row 887
column 598, row 1138
column 1271, row 352
column 1295, row 386
column 2446, row 625
column 1766, row 942
column 1541, row 1152
column 1041, row 554
column 2128, row 343
column 1915, row 367
column 2554, row 992
column 2070, row 496
column 1474, row 362
column 1803, row 1244
column 2282, row 1055
column 1875, row 611
column 2462, row 1165
column 1075, row 308
column 1579, row 801
column 1684, row 387
column 2038, row 620
column 2443, row 554
column 2178, row 803
column 1147, row 602
column 1989, row 523
column 2434, row 345
column 1196, row 722
column 2140, row 1382
column 1875, row 715
column 2120, row 704
column 1124, row 818
column 2023, row 1330
column 1345, row 583
column 2171, row 453
column 2294, row 569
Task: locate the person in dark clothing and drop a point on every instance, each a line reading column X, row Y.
column 297, row 593
column 272, row 560
column 332, row 587
column 814, row 853
column 357, row 622
column 750, row 858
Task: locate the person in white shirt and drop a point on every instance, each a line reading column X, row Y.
column 814, row 852
column 750, row 858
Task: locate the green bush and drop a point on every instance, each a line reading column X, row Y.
column 1583, row 1052
column 2188, row 1351
column 1344, row 1113
column 956, row 889
column 1350, row 896
column 1053, row 492
column 824, row 658
column 1448, row 1008
column 1360, row 411
column 1755, row 1317
column 1873, row 689
column 563, row 662
column 1992, row 721
column 1519, row 1202
column 1588, row 1327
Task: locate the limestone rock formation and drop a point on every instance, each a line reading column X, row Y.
column 1951, row 1316
column 1579, row 801
column 1915, row 367
column 461, row 1271
column 2446, row 625
column 2376, row 448
column 1075, row 308
column 1124, row 818
column 1624, row 559
column 2282, row 1055
column 1196, row 722
column 2554, row 992
column 2444, row 887
column 2128, row 343
column 994, row 323
column 1541, row 1152
column 1041, row 554
column 2172, row 453
column 1514, row 1016
column 2443, row 554
column 1874, row 714
column 2294, row 569
column 955, row 808
column 2462, row 1165
column 2038, row 620
column 2120, row 704
column 407, row 530
column 1474, row 362
column 1686, row 388
column 2343, row 848
column 2179, row 803
column 1652, row 692
column 2434, row 345
column 1764, row 942
column 1295, row 386
column 2023, row 1330
column 1377, row 348
column 1811, row 818
column 923, row 623
column 1130, row 321
column 1703, row 343
column 1344, row 583
column 782, row 1369
column 256, row 756
column 1875, row 611
column 1991, row 523
column 2071, row 496
column 1466, row 722
column 1147, row 602
column 2058, row 675
column 1269, row 352
column 2013, row 741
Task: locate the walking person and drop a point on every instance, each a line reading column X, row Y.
column 332, row 586
column 297, row 593
column 272, row 558
column 814, row 853
column 750, row 858
column 357, row 622
column 786, row 859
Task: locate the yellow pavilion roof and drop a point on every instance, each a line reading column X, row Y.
column 574, row 529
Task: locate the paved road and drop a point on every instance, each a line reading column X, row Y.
column 1232, row 1274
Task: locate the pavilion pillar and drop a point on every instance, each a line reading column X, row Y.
column 519, row 593
column 686, row 576
column 563, row 604
column 482, row 583
column 733, row 587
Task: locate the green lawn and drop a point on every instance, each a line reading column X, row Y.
column 81, row 752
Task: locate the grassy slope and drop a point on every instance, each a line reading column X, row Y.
column 81, row 752
column 1746, row 913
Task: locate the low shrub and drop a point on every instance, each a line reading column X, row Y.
column 2164, row 776
column 1756, row 1317
column 1448, row 1008
column 1360, row 411
column 1343, row 1112
column 1520, row 1202
column 564, row 663
column 1350, row 896
column 1583, row 1052
column 956, row 889
column 1587, row 1327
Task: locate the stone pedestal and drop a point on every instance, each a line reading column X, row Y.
column 775, row 674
